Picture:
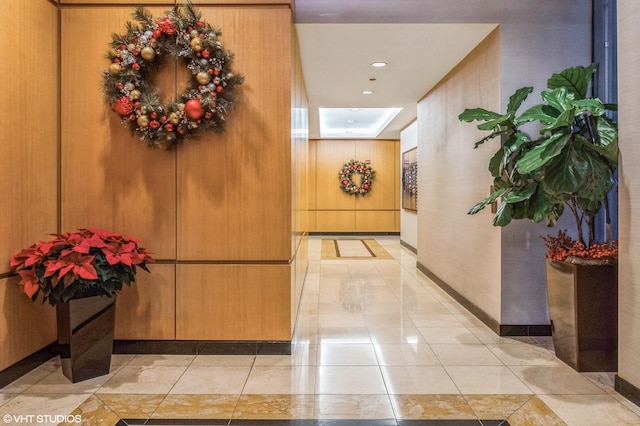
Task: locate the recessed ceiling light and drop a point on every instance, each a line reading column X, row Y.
column 367, row 92
column 367, row 122
column 379, row 64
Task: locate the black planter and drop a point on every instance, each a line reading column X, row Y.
column 583, row 307
column 85, row 336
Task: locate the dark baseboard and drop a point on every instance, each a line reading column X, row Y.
column 355, row 234
column 409, row 246
column 194, row 347
column 500, row 329
column 21, row 368
column 628, row 390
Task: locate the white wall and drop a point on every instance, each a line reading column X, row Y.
column 408, row 218
column 629, row 191
column 500, row 270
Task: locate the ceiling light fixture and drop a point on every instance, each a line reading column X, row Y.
column 363, row 123
column 367, row 92
column 379, row 64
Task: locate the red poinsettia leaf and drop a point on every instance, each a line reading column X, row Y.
column 86, row 271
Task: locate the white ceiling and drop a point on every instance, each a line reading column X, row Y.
column 336, row 62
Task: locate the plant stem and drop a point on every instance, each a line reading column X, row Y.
column 573, row 206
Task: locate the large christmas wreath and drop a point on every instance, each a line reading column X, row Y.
column 346, row 177
column 138, row 53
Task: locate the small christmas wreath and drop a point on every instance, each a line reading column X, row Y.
column 346, row 177
column 139, row 52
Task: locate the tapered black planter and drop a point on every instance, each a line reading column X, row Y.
column 85, row 336
column 583, row 307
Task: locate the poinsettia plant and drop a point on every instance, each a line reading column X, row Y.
column 88, row 262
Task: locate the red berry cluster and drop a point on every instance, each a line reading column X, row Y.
column 562, row 246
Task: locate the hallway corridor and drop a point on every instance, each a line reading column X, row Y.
column 375, row 339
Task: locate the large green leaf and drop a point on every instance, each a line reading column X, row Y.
column 521, row 194
column 516, row 100
column 489, row 200
column 575, row 79
column 542, row 207
column 479, row 114
column 543, row 113
column 542, row 154
column 566, row 119
column 559, row 98
column 598, row 179
column 567, row 172
column 594, row 105
column 503, row 215
column 496, row 162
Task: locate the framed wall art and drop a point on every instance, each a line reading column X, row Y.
column 410, row 179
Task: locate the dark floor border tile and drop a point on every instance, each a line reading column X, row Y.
column 409, row 247
column 525, row 330
column 190, row 347
column 627, row 389
column 309, row 422
column 21, row 368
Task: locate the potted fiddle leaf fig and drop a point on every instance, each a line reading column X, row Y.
column 80, row 273
column 569, row 165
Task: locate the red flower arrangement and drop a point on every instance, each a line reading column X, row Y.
column 563, row 248
column 88, row 262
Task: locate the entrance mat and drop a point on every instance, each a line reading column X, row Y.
column 351, row 249
column 332, row 422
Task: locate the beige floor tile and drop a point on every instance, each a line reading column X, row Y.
column 603, row 410
column 343, row 335
column 559, row 380
column 464, row 354
column 349, row 380
column 57, row 382
column 354, row 318
column 353, row 407
column 448, row 335
column 6, row 397
column 486, row 380
column 224, row 360
column 131, row 406
column 30, row 379
column 281, row 380
column 154, row 360
column 395, row 319
column 301, row 354
column 408, row 334
column 524, row 354
column 436, row 320
column 42, row 405
column 496, row 406
column 432, row 407
column 207, row 379
column 196, row 407
column 418, row 380
column 346, row 354
column 405, row 354
column 91, row 412
column 143, row 380
column 535, row 412
column 274, row 407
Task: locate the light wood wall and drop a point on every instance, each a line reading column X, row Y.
column 333, row 210
column 28, row 169
column 629, row 191
column 225, row 214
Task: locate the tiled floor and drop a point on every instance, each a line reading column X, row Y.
column 375, row 340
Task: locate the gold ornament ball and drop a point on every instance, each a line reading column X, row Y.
column 148, row 53
column 174, row 118
column 114, row 69
column 143, row 121
column 194, row 34
column 129, row 86
column 203, row 78
column 135, row 94
column 196, row 44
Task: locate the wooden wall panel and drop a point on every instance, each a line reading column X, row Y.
column 383, row 155
column 235, row 189
column 146, row 310
column 337, row 211
column 110, row 179
column 233, row 302
column 25, row 326
column 29, row 131
column 375, row 220
column 331, row 155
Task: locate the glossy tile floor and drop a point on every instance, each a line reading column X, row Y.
column 375, row 339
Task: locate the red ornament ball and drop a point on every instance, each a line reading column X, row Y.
column 193, row 109
column 123, row 106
